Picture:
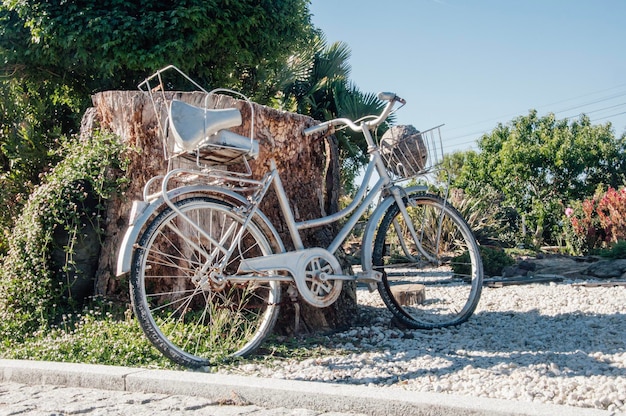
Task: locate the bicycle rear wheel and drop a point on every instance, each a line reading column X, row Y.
column 187, row 315
column 436, row 280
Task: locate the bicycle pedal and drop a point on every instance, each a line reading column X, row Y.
column 369, row 277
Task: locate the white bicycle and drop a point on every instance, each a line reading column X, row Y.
column 207, row 266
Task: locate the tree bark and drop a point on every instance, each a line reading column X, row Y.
column 308, row 166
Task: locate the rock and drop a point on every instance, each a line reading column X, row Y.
column 569, row 267
column 511, row 271
column 523, row 268
column 606, row 269
column 527, row 265
column 404, row 150
column 562, row 265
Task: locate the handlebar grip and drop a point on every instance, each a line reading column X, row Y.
column 315, row 129
column 390, row 96
column 386, row 96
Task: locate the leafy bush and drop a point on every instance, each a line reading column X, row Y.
column 596, row 223
column 494, row 261
column 617, row 251
column 29, row 296
column 33, row 116
column 537, row 162
column 104, row 45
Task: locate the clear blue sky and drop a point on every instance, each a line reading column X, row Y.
column 474, row 63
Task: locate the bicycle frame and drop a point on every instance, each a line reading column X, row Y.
column 290, row 261
column 362, row 200
column 293, row 262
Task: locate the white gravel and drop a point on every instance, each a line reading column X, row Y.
column 556, row 343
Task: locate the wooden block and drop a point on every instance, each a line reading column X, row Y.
column 411, row 294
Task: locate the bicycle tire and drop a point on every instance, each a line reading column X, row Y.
column 191, row 320
column 435, row 289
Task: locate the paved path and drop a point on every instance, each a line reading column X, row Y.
column 59, row 389
column 48, row 400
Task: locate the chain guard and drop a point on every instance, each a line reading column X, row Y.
column 313, row 285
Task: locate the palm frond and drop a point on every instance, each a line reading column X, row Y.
column 332, row 62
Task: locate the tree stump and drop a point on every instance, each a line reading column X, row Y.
column 411, row 294
column 309, row 171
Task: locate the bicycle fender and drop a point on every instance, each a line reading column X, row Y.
column 369, row 234
column 145, row 213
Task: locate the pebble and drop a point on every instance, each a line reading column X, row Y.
column 552, row 343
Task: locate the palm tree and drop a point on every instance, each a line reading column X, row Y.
column 316, row 83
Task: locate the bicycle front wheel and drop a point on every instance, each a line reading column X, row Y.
column 191, row 316
column 431, row 278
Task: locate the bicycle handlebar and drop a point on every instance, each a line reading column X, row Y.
column 391, row 99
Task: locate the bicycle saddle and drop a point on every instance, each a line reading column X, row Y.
column 194, row 127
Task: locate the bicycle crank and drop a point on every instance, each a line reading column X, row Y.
column 316, row 282
column 316, row 271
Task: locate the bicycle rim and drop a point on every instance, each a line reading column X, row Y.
column 191, row 319
column 436, row 280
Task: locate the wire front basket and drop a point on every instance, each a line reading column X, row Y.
column 409, row 153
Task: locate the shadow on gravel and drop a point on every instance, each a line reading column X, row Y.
column 501, row 342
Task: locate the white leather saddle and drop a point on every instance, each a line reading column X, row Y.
column 201, row 131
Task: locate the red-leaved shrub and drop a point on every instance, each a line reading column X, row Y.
column 598, row 222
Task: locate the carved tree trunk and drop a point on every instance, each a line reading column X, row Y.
column 308, row 166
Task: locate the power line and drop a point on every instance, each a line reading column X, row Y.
column 612, row 115
column 591, row 103
column 552, row 104
column 451, row 143
column 585, row 95
column 595, row 111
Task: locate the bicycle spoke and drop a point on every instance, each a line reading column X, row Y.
column 424, row 284
column 192, row 317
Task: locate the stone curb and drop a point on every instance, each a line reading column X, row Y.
column 273, row 393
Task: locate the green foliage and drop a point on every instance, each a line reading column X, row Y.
column 29, row 296
column 452, row 165
column 32, row 118
column 494, row 261
column 536, row 163
column 55, row 54
column 617, row 251
column 102, row 333
column 107, row 44
column 315, row 82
